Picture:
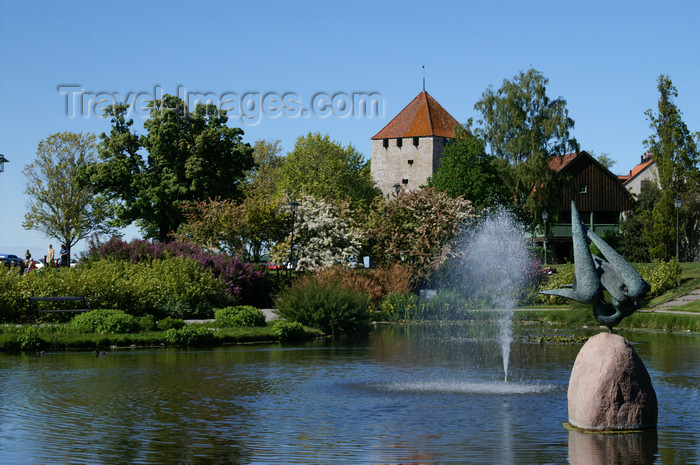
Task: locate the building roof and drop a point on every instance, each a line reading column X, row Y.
column 646, row 162
column 421, row 118
column 559, row 162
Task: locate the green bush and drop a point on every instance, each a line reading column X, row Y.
column 146, row 323
column 13, row 294
column 189, row 335
column 398, row 306
column 104, row 322
column 175, row 287
column 167, row 323
column 242, row 315
column 446, row 305
column 289, row 331
column 662, row 276
column 29, row 338
column 563, row 277
column 326, row 306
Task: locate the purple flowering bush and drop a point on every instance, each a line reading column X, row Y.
column 243, row 282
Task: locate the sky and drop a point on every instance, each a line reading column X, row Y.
column 61, row 61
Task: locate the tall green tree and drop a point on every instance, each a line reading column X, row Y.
column 523, row 127
column 268, row 159
column 190, row 156
column 466, row 170
column 676, row 157
column 58, row 206
column 326, row 170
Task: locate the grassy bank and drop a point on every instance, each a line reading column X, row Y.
column 53, row 337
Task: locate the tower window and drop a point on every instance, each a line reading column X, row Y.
column 410, row 162
column 415, row 141
column 399, row 142
column 405, row 180
column 385, row 143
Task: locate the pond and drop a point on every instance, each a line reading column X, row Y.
column 409, row 394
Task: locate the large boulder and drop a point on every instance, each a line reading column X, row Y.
column 610, row 389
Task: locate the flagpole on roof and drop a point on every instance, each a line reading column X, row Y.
column 423, row 78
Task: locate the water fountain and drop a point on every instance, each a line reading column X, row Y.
column 494, row 265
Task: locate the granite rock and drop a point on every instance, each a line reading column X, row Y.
column 610, row 388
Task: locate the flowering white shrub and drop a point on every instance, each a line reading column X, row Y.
column 324, row 236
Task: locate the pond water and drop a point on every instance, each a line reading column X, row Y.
column 408, row 395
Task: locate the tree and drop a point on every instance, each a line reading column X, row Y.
column 245, row 230
column 633, row 244
column 268, row 159
column 416, row 227
column 191, row 156
column 676, row 157
column 324, row 235
column 466, row 170
column 523, row 128
column 59, row 207
column 326, row 170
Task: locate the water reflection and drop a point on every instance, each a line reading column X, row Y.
column 621, row 449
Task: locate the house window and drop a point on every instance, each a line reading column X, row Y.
column 415, row 141
column 583, row 188
column 405, row 180
column 399, row 142
column 385, row 142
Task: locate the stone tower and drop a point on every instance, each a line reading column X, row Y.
column 408, row 150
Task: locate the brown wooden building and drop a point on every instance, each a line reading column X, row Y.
column 600, row 198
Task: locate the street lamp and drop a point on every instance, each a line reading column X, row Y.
column 3, row 160
column 293, row 206
column 545, row 217
column 677, row 202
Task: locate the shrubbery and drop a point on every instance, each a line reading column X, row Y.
column 289, row 331
column 398, row 306
column 327, row 306
column 175, row 287
column 104, row 322
column 662, row 276
column 170, row 323
column 242, row 315
column 246, row 284
column 189, row 335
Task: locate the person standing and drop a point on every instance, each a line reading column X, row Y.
column 27, row 257
column 64, row 255
column 50, row 255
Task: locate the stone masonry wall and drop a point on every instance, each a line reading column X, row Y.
column 414, row 164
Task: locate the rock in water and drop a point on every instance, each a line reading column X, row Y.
column 609, row 388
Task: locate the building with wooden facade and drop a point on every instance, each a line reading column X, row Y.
column 600, row 197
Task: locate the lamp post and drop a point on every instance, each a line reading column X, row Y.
column 545, row 217
column 677, row 202
column 3, row 160
column 293, row 206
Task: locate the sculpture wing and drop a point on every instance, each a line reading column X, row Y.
column 586, row 288
column 632, row 284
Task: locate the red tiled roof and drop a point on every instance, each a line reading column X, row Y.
column 559, row 162
column 647, row 161
column 422, row 117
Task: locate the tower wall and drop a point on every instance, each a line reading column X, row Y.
column 414, row 164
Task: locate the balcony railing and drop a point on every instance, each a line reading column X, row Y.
column 564, row 230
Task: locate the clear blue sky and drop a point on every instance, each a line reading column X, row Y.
column 602, row 57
